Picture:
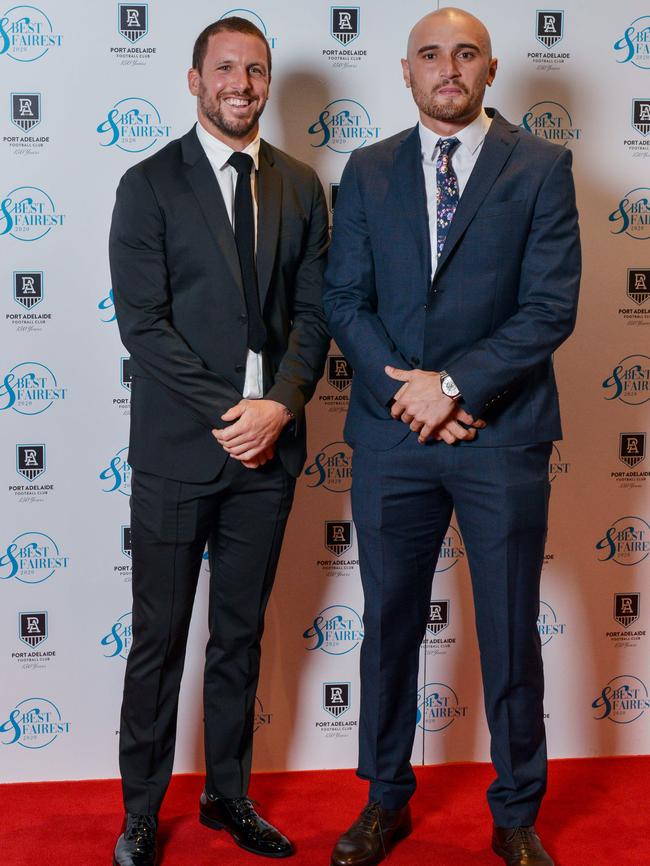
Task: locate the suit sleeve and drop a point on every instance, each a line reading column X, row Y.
column 142, row 303
column 302, row 364
column 548, row 298
column 350, row 297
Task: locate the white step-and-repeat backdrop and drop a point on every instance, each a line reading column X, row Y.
column 89, row 89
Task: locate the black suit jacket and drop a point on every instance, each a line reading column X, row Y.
column 181, row 309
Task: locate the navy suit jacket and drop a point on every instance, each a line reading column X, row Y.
column 502, row 299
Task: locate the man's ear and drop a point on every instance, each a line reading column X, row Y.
column 193, row 79
column 406, row 72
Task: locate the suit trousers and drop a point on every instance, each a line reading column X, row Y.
column 241, row 516
column 402, row 502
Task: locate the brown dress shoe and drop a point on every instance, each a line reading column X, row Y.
column 372, row 836
column 519, row 846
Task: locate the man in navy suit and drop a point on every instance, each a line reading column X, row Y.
column 453, row 277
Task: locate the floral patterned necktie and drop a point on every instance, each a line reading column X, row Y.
column 447, row 193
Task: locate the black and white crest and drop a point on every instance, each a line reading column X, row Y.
column 125, row 373
column 28, row 288
column 133, row 20
column 641, row 115
column 550, row 27
column 631, row 449
column 338, row 536
column 638, row 285
column 339, row 372
column 336, row 698
column 126, row 541
column 627, row 607
column 32, row 628
column 30, row 461
column 438, row 615
column 25, row 110
column 345, row 23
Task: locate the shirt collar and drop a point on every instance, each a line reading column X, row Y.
column 218, row 152
column 470, row 136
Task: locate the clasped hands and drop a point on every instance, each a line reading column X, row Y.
column 421, row 404
column 251, row 438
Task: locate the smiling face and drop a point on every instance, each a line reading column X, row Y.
column 447, row 68
column 232, row 87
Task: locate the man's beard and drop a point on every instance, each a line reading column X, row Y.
column 211, row 108
column 444, row 110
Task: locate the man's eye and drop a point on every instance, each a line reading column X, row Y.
column 223, row 68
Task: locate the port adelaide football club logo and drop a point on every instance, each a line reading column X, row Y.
column 639, row 145
column 133, row 27
column 631, row 453
column 121, row 401
column 31, row 465
column 25, row 113
column 338, row 540
column 337, row 700
column 339, row 379
column 28, row 291
column 33, row 631
column 637, row 289
column 345, row 28
column 626, row 612
column 122, row 566
column 549, row 31
column 434, row 642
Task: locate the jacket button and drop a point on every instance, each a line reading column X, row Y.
column 243, row 318
column 415, row 360
column 239, row 368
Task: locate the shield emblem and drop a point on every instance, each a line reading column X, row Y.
column 30, row 461
column 336, row 698
column 334, row 191
column 339, row 372
column 32, row 628
column 126, row 541
column 627, row 606
column 28, row 288
column 641, row 115
column 125, row 373
column 133, row 21
column 345, row 23
column 550, row 27
column 438, row 616
column 631, row 449
column 638, row 285
column 338, row 536
column 25, row 110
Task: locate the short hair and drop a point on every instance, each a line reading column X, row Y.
column 229, row 25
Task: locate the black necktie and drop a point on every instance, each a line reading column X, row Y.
column 245, row 240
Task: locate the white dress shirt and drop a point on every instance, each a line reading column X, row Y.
column 463, row 160
column 218, row 154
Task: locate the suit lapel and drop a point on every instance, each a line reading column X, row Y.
column 269, row 201
column 497, row 147
column 409, row 179
column 206, row 189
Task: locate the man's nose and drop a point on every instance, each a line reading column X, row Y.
column 449, row 67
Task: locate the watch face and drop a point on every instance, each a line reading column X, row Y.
column 449, row 387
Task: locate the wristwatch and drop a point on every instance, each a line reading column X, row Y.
column 449, row 387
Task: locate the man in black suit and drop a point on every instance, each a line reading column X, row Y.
column 217, row 250
column 452, row 278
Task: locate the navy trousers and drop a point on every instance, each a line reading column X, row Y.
column 402, row 501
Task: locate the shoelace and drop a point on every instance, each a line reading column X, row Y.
column 141, row 830
column 524, row 837
column 369, row 816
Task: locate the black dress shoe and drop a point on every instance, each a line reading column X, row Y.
column 519, row 846
column 239, row 818
column 372, row 836
column 137, row 844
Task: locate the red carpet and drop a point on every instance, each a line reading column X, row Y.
column 595, row 814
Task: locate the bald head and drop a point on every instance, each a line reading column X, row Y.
column 448, row 65
column 445, row 20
